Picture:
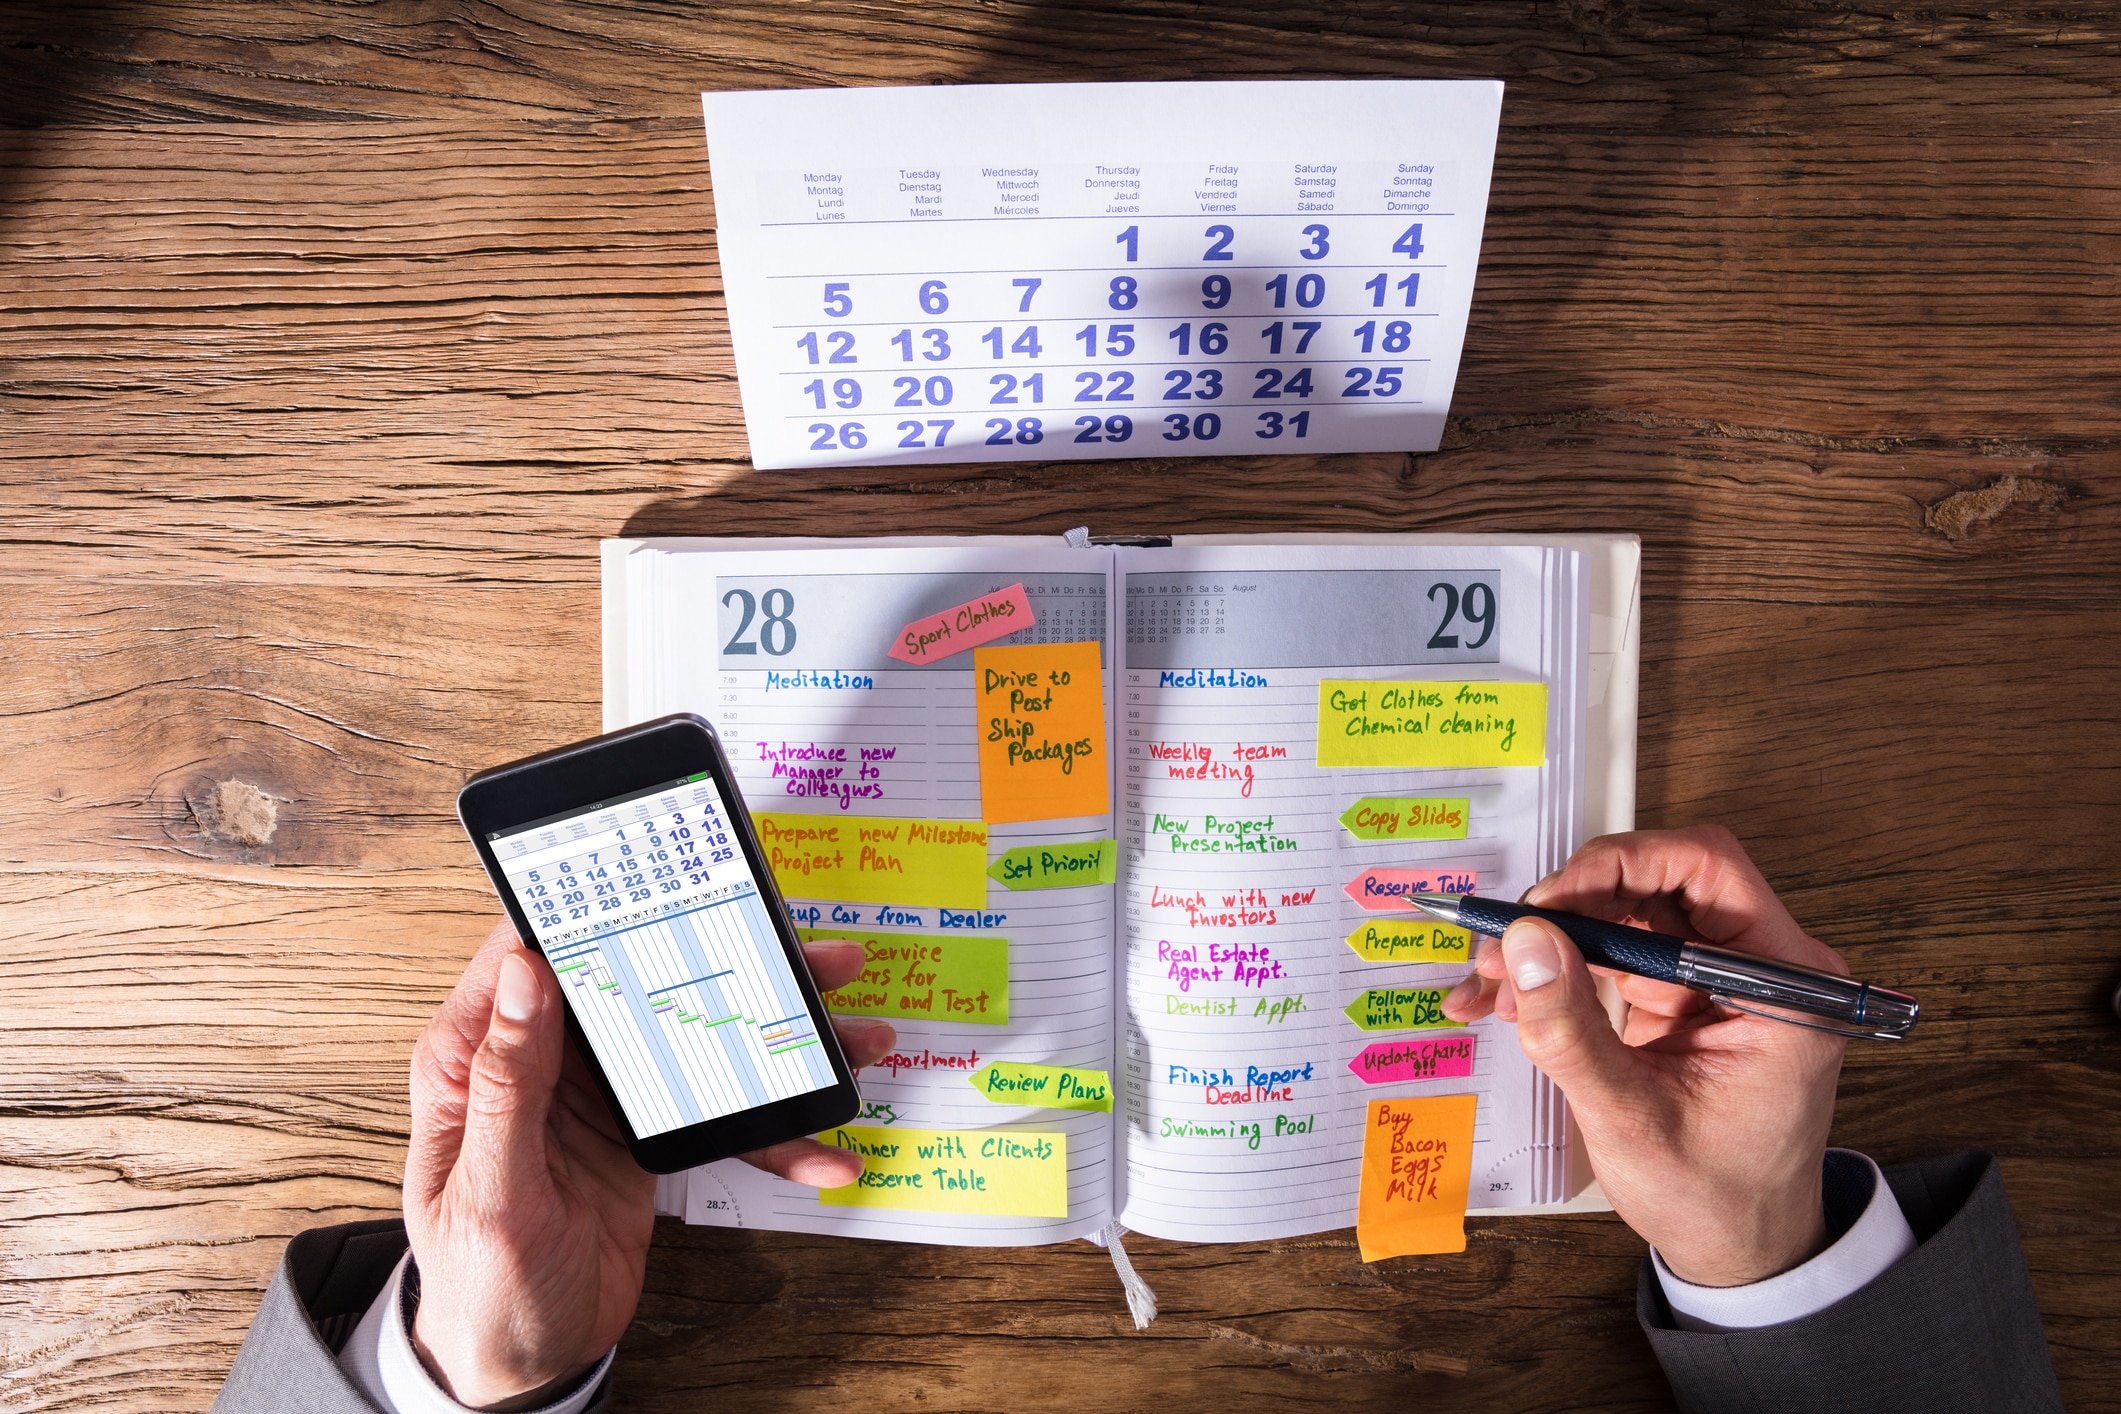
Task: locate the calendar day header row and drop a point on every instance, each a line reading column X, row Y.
column 914, row 190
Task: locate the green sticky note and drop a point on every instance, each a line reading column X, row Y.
column 1399, row 1009
column 1057, row 866
column 928, row 976
column 1053, row 1087
column 1382, row 817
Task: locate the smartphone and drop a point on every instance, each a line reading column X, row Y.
column 629, row 861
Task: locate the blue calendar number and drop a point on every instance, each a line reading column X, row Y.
column 1116, row 428
column 1131, row 238
column 913, row 432
column 1205, row 427
column 1025, row 343
column 846, row 392
column 838, row 303
column 841, row 341
column 1362, row 383
column 938, row 341
column 1214, row 338
column 1310, row 290
column 1305, row 329
column 933, row 298
column 1298, row 423
column 1399, row 334
column 1409, row 243
column 1220, row 238
column 1027, row 430
column 1215, row 292
column 1376, row 287
column 1319, row 246
column 1029, row 286
column 1119, row 340
column 1006, row 386
column 1273, row 384
column 1205, row 384
column 852, row 436
column 1123, row 293
column 912, row 391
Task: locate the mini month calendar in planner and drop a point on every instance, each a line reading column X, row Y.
column 1031, row 272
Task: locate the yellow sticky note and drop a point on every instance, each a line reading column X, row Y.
column 924, row 976
column 1041, row 732
column 1417, row 1165
column 876, row 859
column 1410, row 940
column 1013, row 1173
column 1053, row 1087
column 1443, row 724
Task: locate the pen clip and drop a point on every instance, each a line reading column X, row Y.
column 1858, row 1033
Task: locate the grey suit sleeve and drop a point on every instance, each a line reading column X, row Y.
column 1951, row 1326
column 327, row 1280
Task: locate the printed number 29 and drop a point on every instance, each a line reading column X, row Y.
column 776, row 632
column 1478, row 605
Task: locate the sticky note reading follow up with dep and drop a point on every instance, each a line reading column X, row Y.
column 1023, row 272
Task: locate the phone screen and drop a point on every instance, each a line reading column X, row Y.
column 649, row 913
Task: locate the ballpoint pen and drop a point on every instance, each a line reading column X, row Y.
column 1745, row 981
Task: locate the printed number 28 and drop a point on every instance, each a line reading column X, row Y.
column 776, row 631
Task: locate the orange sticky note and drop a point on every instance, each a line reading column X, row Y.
column 1041, row 732
column 1417, row 1164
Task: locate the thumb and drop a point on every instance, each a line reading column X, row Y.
column 513, row 1074
column 1561, row 1023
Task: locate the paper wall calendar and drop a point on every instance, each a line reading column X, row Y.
column 1031, row 272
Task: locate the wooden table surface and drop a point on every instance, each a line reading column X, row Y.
column 337, row 332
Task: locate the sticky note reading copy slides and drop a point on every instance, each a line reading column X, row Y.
column 1054, row 1087
column 1378, row 817
column 874, row 859
column 1417, row 1165
column 967, row 625
column 1440, row 724
column 1012, row 1173
column 929, row 976
column 1041, row 732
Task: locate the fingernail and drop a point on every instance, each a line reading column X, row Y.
column 1532, row 957
column 1464, row 992
column 517, row 996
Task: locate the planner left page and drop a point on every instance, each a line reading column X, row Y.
column 920, row 737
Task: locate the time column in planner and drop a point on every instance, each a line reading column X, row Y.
column 1289, row 317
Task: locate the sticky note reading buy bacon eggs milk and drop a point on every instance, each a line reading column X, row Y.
column 924, row 976
column 1436, row 724
column 873, row 859
column 963, row 626
column 1012, row 1173
column 1041, row 719
column 1417, row 1166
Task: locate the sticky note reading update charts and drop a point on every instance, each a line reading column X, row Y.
column 1041, row 732
column 926, row 976
column 874, row 859
column 1440, row 724
column 1417, row 1164
column 1053, row 1087
column 967, row 625
column 1010, row 1173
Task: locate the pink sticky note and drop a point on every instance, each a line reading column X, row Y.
column 1381, row 890
column 976, row 621
column 1441, row 1057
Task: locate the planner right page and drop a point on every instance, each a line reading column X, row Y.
column 1305, row 735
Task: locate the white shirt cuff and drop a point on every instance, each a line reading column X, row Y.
column 379, row 1358
column 1877, row 1239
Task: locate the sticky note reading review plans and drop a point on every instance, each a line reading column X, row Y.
column 967, row 625
column 1041, row 732
column 874, row 859
column 1417, row 1165
column 930, row 976
column 1053, row 1087
column 1439, row 724
column 1011, row 1173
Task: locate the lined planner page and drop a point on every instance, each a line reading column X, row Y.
column 1257, row 909
column 786, row 653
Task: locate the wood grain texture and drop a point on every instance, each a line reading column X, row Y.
column 333, row 336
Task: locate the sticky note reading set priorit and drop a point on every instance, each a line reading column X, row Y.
column 1417, row 1168
column 1012, row 1173
column 1434, row 724
column 1041, row 713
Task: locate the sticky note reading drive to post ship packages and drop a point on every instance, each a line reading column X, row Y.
column 1025, row 272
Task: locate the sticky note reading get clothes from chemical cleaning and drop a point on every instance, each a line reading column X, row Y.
column 1041, row 732
column 1012, row 1173
column 926, row 976
column 1417, row 1164
column 1436, row 724
column 1053, row 1087
column 966, row 625
column 874, row 859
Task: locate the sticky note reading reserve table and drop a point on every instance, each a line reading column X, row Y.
column 1031, row 272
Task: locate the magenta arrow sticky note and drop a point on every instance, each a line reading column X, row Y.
column 1438, row 1058
column 967, row 625
column 1384, row 890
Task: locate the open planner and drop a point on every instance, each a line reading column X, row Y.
column 1124, row 831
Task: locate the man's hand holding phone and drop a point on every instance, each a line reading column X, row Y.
column 529, row 1218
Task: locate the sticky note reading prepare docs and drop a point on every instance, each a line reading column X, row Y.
column 1417, row 1163
column 873, row 859
column 1053, row 1087
column 1041, row 732
column 1411, row 940
column 963, row 626
column 1011, row 1173
column 926, row 976
column 1438, row 724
